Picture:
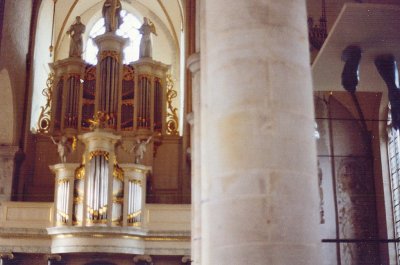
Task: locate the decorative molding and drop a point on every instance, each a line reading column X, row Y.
column 172, row 113
column 43, row 125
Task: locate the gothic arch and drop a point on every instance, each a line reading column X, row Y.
column 6, row 108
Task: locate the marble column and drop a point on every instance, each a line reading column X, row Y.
column 193, row 63
column 259, row 191
column 7, row 154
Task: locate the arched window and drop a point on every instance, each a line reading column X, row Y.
column 128, row 29
column 394, row 168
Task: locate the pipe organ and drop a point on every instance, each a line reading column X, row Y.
column 133, row 95
column 98, row 103
column 99, row 191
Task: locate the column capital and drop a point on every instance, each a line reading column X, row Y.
column 193, row 62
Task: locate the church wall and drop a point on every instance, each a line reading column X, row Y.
column 90, row 258
column 351, row 178
column 14, row 49
column 15, row 59
column 2, row 2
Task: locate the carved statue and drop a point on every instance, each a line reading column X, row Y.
column 139, row 149
column 145, row 48
column 111, row 14
column 75, row 32
column 62, row 148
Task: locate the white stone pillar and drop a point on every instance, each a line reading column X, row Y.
column 7, row 154
column 193, row 63
column 258, row 160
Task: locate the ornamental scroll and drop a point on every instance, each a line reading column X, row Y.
column 43, row 125
column 172, row 113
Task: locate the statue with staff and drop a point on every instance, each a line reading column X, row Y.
column 76, row 43
column 145, row 48
column 111, row 14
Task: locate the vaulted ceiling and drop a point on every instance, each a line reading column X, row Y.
column 167, row 14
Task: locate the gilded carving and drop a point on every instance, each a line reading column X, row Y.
column 112, row 54
column 90, row 73
column 172, row 113
column 80, row 172
column 99, row 121
column 129, row 73
column 43, row 125
column 118, row 173
column 99, row 153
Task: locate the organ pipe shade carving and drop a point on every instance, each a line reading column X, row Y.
column 43, row 125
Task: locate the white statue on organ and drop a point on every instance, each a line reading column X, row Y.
column 139, row 149
column 145, row 48
column 62, row 148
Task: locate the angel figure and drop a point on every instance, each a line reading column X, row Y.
column 62, row 148
column 139, row 149
column 145, row 48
